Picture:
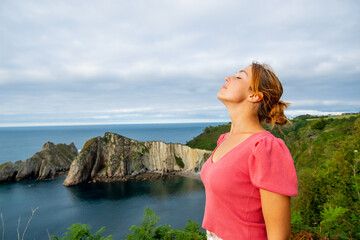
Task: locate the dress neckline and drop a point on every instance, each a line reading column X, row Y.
column 240, row 144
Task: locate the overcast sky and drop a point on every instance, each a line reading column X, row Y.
column 86, row 62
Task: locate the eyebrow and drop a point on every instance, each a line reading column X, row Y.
column 243, row 72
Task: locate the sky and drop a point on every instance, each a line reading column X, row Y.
column 157, row 61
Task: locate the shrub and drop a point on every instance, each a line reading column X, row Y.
column 179, row 162
column 318, row 124
column 79, row 231
column 148, row 231
column 296, row 221
column 332, row 220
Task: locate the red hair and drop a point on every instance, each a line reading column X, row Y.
column 271, row 108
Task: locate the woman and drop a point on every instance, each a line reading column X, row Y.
column 250, row 175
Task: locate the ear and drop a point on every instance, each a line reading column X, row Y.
column 256, row 97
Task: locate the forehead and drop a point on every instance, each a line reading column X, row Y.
column 246, row 71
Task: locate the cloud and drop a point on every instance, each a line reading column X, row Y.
column 166, row 60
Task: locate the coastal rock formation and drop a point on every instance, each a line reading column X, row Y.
column 115, row 156
column 9, row 170
column 51, row 160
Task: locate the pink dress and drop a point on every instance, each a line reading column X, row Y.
column 233, row 205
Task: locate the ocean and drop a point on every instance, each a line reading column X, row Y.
column 117, row 206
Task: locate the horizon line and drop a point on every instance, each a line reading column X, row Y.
column 106, row 123
column 59, row 124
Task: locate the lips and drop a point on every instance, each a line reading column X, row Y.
column 224, row 86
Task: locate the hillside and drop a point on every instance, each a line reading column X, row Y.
column 326, row 153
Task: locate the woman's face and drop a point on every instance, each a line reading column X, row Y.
column 236, row 88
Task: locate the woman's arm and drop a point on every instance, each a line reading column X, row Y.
column 277, row 214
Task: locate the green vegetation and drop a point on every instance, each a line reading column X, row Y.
column 326, row 153
column 79, row 231
column 179, row 162
column 148, row 230
column 207, row 140
column 318, row 124
column 144, row 150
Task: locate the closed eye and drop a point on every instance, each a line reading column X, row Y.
column 238, row 77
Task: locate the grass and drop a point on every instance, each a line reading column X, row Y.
column 87, row 144
column 335, row 117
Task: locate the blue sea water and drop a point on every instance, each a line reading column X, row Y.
column 117, row 206
column 20, row 143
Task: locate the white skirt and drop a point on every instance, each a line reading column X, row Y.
column 211, row 236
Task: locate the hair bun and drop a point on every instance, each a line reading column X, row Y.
column 277, row 115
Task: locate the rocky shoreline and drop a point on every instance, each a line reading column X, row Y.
column 146, row 176
column 108, row 159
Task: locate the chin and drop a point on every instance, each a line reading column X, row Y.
column 221, row 98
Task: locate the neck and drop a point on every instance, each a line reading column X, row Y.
column 244, row 119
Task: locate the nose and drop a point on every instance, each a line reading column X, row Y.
column 227, row 79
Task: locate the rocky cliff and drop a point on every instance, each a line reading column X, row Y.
column 114, row 156
column 47, row 163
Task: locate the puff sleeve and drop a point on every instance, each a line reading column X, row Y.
column 271, row 167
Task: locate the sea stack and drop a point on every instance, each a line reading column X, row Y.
column 49, row 162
